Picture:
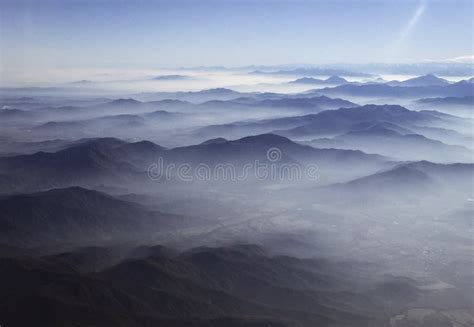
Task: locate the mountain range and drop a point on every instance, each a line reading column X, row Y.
column 425, row 80
column 75, row 215
column 410, row 182
column 332, row 80
column 241, row 286
column 384, row 139
column 333, row 122
column 459, row 89
column 314, row 71
column 345, row 203
column 112, row 161
column 461, row 101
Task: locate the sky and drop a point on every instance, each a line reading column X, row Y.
column 78, row 34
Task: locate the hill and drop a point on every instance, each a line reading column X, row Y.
column 70, row 215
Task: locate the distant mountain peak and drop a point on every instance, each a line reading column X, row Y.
column 170, row 77
column 402, row 174
column 375, row 130
column 219, row 90
column 384, row 107
column 123, row 101
column 424, row 80
column 102, row 141
column 218, row 140
column 336, row 80
column 429, row 77
column 307, row 80
column 265, row 138
column 145, row 145
column 72, row 190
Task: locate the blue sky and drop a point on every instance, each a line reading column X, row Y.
column 231, row 33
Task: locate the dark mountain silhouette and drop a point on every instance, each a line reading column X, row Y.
column 82, row 82
column 92, row 161
column 218, row 140
column 55, row 126
column 457, row 173
column 299, row 104
column 348, row 119
column 168, row 105
column 304, row 105
column 252, row 148
column 318, row 102
column 407, row 182
column 15, row 114
column 164, row 115
column 91, row 234
column 247, row 151
column 8, row 147
column 239, row 286
column 333, row 80
column 389, row 126
column 110, row 161
column 404, row 175
column 448, row 101
column 459, row 89
column 426, row 80
column 138, row 154
column 124, row 102
column 78, row 215
column 422, row 171
column 460, row 106
column 171, row 78
column 307, row 80
column 240, row 129
column 386, row 141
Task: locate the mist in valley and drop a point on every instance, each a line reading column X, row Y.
column 376, row 196
column 160, row 175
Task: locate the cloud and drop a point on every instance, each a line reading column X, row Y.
column 411, row 23
column 462, row 59
column 468, row 59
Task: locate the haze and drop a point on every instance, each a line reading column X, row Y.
column 241, row 164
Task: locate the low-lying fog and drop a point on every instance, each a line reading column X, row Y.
column 372, row 174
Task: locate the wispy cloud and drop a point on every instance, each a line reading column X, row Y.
column 469, row 59
column 408, row 28
column 462, row 59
